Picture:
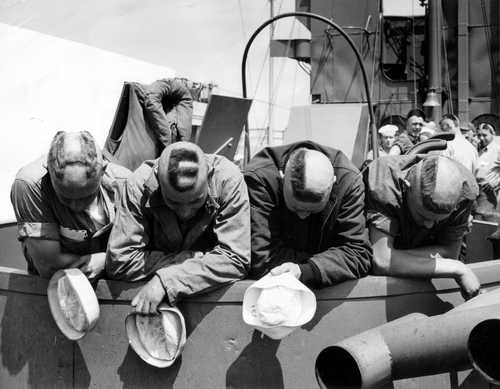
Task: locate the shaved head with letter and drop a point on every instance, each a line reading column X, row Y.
column 182, row 173
column 308, row 181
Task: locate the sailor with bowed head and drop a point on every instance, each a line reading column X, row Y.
column 307, row 213
column 418, row 211
column 64, row 206
column 183, row 222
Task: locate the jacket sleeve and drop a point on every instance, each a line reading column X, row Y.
column 169, row 108
column 229, row 260
column 351, row 253
column 128, row 257
column 268, row 247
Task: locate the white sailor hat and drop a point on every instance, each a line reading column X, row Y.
column 277, row 305
column 73, row 303
column 158, row 339
column 388, row 130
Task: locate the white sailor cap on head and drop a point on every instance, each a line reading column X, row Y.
column 388, row 130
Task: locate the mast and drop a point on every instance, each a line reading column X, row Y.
column 433, row 101
column 463, row 60
column 269, row 129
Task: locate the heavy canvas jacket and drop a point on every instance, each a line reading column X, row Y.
column 331, row 246
column 41, row 215
column 147, row 237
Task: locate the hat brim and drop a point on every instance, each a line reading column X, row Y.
column 308, row 305
column 84, row 299
column 141, row 349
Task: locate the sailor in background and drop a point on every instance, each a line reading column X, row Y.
column 183, row 221
column 387, row 136
column 418, row 210
column 64, row 206
column 489, row 150
column 469, row 132
column 459, row 149
column 307, row 211
column 410, row 137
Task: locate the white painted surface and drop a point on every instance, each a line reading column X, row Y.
column 50, row 84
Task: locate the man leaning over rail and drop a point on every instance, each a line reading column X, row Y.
column 418, row 210
column 307, row 212
column 183, row 221
column 64, row 206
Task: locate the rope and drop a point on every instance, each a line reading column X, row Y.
column 280, row 72
column 375, row 49
column 447, row 71
column 487, row 32
column 367, row 139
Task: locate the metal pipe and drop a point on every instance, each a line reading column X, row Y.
column 351, row 44
column 339, row 367
column 484, row 350
column 433, row 100
column 415, row 347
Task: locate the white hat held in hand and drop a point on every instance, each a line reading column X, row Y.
column 73, row 303
column 157, row 339
column 277, row 305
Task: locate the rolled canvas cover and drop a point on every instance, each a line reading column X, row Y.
column 148, row 118
column 128, row 131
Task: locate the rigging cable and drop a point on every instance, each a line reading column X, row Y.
column 348, row 40
column 280, row 72
column 374, row 58
column 447, row 72
column 242, row 21
column 267, row 58
column 487, row 32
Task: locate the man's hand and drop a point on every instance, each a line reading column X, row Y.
column 287, row 267
column 93, row 265
column 149, row 297
column 468, row 282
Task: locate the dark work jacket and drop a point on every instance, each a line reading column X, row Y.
column 331, row 246
column 149, row 118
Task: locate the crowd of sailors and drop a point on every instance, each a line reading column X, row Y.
column 473, row 146
column 188, row 221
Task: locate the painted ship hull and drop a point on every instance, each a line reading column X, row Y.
column 221, row 351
